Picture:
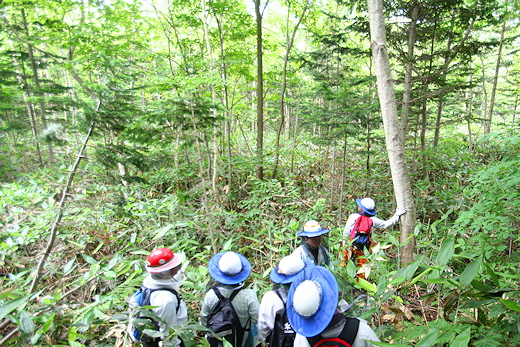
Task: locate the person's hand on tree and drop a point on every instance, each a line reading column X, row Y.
column 400, row 211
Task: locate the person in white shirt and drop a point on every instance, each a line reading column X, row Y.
column 272, row 307
column 164, row 276
column 312, row 311
column 367, row 207
column 358, row 229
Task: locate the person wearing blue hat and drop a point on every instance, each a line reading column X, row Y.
column 312, row 311
column 311, row 247
column 230, row 270
column 359, row 228
column 273, row 327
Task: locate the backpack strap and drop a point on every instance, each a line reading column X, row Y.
column 348, row 333
column 148, row 294
column 350, row 330
column 277, row 292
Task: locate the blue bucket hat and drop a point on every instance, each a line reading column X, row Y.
column 312, row 229
column 288, row 268
column 312, row 300
column 368, row 205
column 229, row 268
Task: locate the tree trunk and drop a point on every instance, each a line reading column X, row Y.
column 259, row 95
column 290, row 42
column 41, row 102
column 412, row 34
column 213, row 97
column 28, row 106
column 487, row 123
column 393, row 131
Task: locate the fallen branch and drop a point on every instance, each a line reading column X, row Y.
column 54, row 228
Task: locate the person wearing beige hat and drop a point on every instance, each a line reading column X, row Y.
column 273, row 326
column 311, row 247
column 230, row 270
column 164, row 279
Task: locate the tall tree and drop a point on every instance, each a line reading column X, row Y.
column 393, row 131
column 259, row 92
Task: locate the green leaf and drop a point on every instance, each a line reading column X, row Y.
column 48, row 323
column 227, row 245
column 429, row 339
column 420, row 276
column 492, row 274
column 462, row 340
column 351, row 269
column 162, row 231
column 510, row 305
column 69, row 266
column 366, row 285
column 26, row 323
column 381, row 285
column 89, row 259
column 446, row 252
column 470, row 272
column 11, row 306
column 408, row 271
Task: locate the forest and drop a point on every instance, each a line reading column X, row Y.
column 128, row 125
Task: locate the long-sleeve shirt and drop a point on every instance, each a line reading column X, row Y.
column 245, row 304
column 270, row 304
column 304, row 252
column 166, row 309
column 378, row 223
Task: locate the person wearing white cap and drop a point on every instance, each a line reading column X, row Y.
column 311, row 247
column 230, row 270
column 367, row 207
column 312, row 311
column 164, row 275
column 273, row 329
column 359, row 229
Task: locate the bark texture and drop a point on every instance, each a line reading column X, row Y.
column 393, row 132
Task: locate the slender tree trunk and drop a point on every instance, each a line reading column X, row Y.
column 290, row 42
column 41, row 103
column 412, row 34
column 487, row 123
column 202, row 174
column 393, row 132
column 259, row 95
column 213, row 97
column 438, row 118
column 28, row 107
column 342, row 184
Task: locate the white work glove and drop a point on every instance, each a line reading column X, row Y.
column 400, row 211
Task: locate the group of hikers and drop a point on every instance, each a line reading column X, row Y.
column 300, row 310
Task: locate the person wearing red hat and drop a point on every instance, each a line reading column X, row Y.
column 165, row 278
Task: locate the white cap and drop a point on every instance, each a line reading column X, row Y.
column 230, row 264
column 307, row 298
column 312, row 226
column 368, row 203
column 290, row 265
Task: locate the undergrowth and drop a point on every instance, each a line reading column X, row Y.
column 465, row 270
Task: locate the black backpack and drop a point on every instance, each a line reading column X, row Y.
column 283, row 333
column 145, row 319
column 345, row 339
column 223, row 320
